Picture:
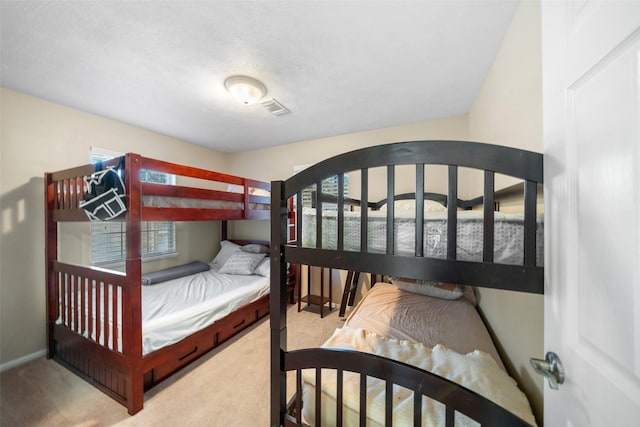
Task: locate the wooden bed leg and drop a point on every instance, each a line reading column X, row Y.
column 135, row 398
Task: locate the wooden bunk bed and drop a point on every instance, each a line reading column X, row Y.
column 331, row 368
column 109, row 353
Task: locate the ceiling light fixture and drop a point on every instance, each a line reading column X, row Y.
column 245, row 89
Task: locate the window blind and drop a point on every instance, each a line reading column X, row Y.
column 108, row 239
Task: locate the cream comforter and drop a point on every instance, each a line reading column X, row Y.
column 476, row 371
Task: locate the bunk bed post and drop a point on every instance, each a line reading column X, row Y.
column 50, row 255
column 132, row 302
column 278, row 306
column 224, row 230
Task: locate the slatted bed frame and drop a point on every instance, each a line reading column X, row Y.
column 73, row 341
column 528, row 277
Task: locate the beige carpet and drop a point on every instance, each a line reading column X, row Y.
column 227, row 387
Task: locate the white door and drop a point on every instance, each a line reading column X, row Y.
column 591, row 90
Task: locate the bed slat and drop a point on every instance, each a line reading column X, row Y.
column 530, row 201
column 488, row 234
column 364, row 191
column 66, row 204
column 452, row 214
column 68, row 294
column 319, row 214
column 339, row 396
column 450, row 417
column 391, row 187
column 299, row 218
column 318, row 396
column 77, row 312
column 299, row 396
column 417, row 409
column 115, row 319
column 105, row 314
column 363, row 400
column 419, row 250
column 90, row 298
column 341, row 211
column 388, row 404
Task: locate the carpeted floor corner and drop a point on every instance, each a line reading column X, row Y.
column 227, row 387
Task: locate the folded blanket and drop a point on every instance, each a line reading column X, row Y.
column 476, row 371
column 174, row 272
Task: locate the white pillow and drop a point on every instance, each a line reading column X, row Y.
column 241, row 262
column 255, row 248
column 410, row 206
column 260, row 192
column 234, row 188
column 433, row 289
column 433, row 206
column 264, row 268
column 227, row 249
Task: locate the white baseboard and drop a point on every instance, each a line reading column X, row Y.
column 22, row 360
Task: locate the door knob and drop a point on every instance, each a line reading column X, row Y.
column 551, row 368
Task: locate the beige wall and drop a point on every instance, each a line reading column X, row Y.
column 277, row 163
column 38, row 136
column 508, row 111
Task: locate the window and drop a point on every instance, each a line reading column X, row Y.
column 108, row 239
column 329, row 186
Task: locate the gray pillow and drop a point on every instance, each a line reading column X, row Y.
column 255, row 248
column 174, row 272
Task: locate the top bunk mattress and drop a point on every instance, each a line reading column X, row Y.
column 508, row 234
column 185, row 202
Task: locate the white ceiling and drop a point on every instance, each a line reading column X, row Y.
column 340, row 67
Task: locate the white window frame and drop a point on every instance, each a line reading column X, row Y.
column 100, row 231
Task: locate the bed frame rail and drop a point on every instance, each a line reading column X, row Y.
column 66, row 190
column 455, row 397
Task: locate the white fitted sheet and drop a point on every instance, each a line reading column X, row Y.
column 177, row 308
column 174, row 309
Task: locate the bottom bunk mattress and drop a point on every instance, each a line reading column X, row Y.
column 446, row 337
column 171, row 310
column 177, row 308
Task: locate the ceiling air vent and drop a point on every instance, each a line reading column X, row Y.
column 275, row 107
